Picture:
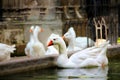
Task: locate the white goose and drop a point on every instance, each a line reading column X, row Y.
column 30, row 43
column 5, row 51
column 51, row 49
column 81, row 58
column 70, row 36
column 76, row 43
column 37, row 49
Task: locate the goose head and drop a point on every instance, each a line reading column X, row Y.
column 54, row 40
column 57, row 40
column 31, row 29
column 38, row 29
column 51, row 36
column 70, row 34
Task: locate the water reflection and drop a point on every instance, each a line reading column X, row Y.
column 61, row 74
column 70, row 74
column 97, row 73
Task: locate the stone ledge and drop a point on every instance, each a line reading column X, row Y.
column 113, row 52
column 24, row 64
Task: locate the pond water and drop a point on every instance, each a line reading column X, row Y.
column 112, row 72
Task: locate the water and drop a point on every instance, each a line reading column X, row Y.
column 108, row 73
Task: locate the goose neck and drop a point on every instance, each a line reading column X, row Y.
column 31, row 37
column 36, row 36
column 71, row 43
column 62, row 58
column 62, row 47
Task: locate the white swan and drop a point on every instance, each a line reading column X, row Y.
column 5, row 51
column 30, row 43
column 81, row 58
column 37, row 49
column 76, row 43
column 51, row 49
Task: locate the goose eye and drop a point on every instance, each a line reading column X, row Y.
column 54, row 39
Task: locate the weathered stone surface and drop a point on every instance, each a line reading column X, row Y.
column 113, row 52
column 24, row 64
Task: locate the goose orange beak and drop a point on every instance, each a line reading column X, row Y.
column 41, row 30
column 50, row 43
column 63, row 37
column 30, row 30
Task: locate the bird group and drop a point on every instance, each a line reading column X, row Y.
column 83, row 57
